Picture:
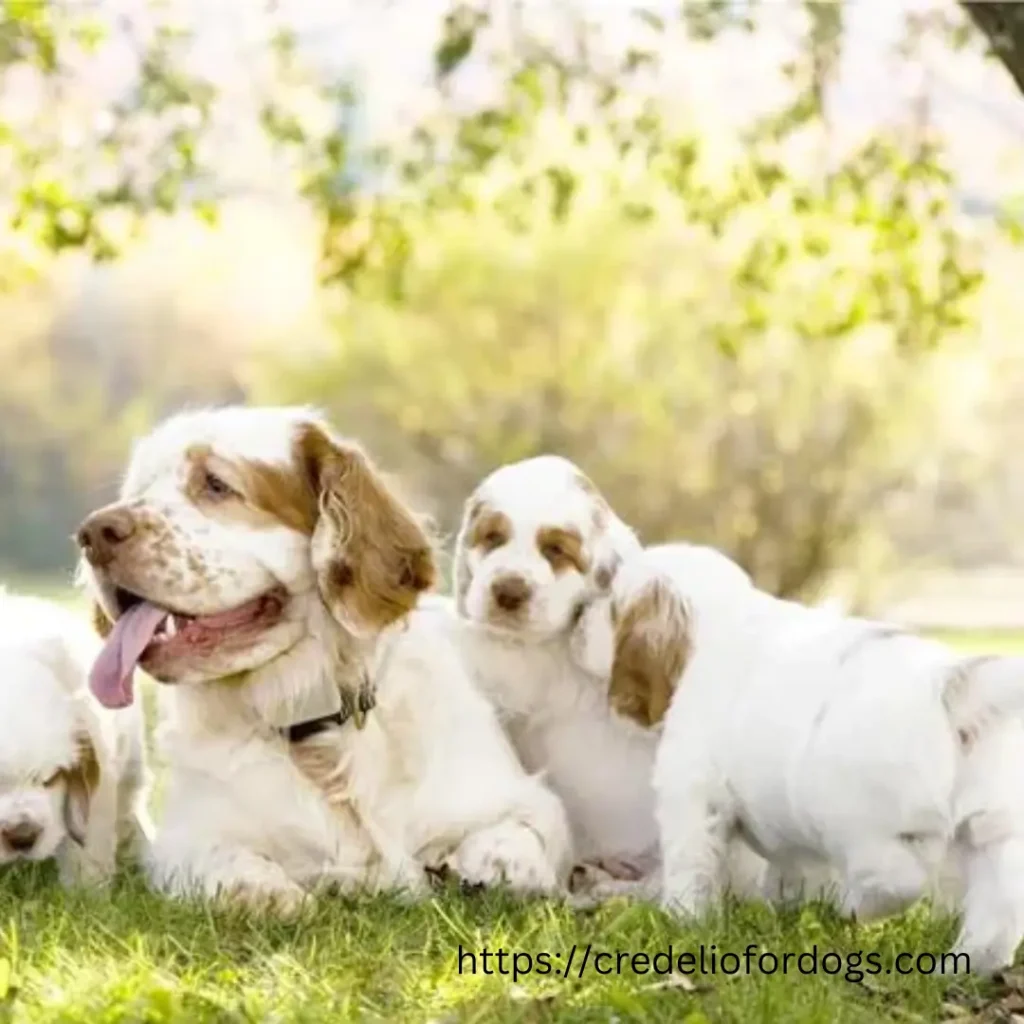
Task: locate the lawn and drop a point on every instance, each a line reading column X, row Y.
column 131, row 956
column 136, row 957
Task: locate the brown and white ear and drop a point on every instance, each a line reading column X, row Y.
column 652, row 648
column 462, row 575
column 371, row 553
column 614, row 541
column 81, row 781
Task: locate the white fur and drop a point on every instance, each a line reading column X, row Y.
column 45, row 712
column 834, row 740
column 553, row 710
column 547, row 673
column 429, row 780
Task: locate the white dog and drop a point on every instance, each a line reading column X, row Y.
column 822, row 739
column 72, row 776
column 268, row 576
column 537, row 545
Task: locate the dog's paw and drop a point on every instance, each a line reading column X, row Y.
column 284, row 900
column 508, row 854
column 688, row 902
column 77, row 869
column 593, row 882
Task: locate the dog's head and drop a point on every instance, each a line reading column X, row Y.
column 48, row 765
column 537, row 542
column 652, row 606
column 229, row 522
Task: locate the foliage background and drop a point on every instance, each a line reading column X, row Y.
column 791, row 339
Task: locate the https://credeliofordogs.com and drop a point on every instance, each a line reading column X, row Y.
column 707, row 961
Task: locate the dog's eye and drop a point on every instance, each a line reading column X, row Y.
column 552, row 551
column 215, row 487
column 492, row 539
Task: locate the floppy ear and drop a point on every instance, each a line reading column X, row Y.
column 652, row 647
column 462, row 577
column 81, row 780
column 370, row 552
column 614, row 540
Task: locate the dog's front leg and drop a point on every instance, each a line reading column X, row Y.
column 224, row 873
column 694, row 824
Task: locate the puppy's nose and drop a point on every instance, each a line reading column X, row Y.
column 20, row 837
column 510, row 593
column 100, row 534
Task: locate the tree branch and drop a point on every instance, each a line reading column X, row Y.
column 1002, row 24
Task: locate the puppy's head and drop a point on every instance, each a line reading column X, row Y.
column 652, row 610
column 229, row 522
column 537, row 542
column 49, row 768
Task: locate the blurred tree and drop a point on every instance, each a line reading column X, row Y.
column 82, row 166
column 752, row 354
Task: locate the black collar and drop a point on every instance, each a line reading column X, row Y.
column 303, row 730
column 352, row 707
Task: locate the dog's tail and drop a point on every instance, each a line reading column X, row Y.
column 982, row 690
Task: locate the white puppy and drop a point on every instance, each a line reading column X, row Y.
column 537, row 545
column 537, row 542
column 72, row 776
column 267, row 575
column 822, row 738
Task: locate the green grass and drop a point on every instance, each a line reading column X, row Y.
column 132, row 956
column 136, row 957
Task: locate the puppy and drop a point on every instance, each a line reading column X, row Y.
column 72, row 777
column 822, row 740
column 537, row 547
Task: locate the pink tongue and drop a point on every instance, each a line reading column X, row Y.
column 111, row 676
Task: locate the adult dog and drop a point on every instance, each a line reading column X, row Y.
column 537, row 547
column 822, row 739
column 265, row 572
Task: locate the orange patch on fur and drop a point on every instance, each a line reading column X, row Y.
column 384, row 559
column 250, row 492
column 81, row 778
column 652, row 647
column 488, row 528
column 563, row 548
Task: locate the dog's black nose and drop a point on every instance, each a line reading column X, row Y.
column 510, row 593
column 20, row 838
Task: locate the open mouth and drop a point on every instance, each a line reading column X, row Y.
column 146, row 633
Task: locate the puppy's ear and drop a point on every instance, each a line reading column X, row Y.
column 462, row 576
column 652, row 647
column 370, row 552
column 81, row 780
column 614, row 540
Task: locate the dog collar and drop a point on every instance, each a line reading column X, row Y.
column 303, row 730
column 353, row 707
